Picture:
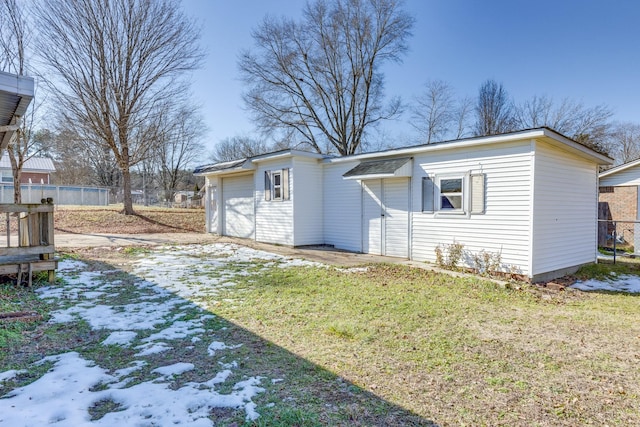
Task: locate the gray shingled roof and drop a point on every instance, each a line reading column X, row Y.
column 219, row 166
column 377, row 167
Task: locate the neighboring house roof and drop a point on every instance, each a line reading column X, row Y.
column 16, row 92
column 34, row 164
column 546, row 134
column 620, row 168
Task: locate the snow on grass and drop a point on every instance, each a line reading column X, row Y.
column 217, row 345
column 11, row 374
column 152, row 348
column 622, row 283
column 203, row 270
column 175, row 369
column 63, row 395
column 147, row 316
column 121, row 338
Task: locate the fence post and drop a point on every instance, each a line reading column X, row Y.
column 615, row 237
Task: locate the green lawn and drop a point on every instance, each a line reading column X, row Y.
column 457, row 351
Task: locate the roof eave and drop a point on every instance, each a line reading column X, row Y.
column 620, row 168
column 540, row 133
column 12, row 85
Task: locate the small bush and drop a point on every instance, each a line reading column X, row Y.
column 449, row 256
column 487, row 263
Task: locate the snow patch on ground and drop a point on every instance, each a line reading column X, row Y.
column 63, row 395
column 158, row 313
column 622, row 283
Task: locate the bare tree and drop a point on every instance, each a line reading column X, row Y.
column 462, row 114
column 13, row 47
column 321, row 76
column 625, row 142
column 13, row 37
column 494, row 110
column 180, row 146
column 433, row 112
column 589, row 125
column 238, row 147
column 115, row 64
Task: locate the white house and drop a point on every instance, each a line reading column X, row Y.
column 530, row 196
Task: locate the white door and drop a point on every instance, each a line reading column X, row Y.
column 373, row 212
column 238, row 206
column 385, row 207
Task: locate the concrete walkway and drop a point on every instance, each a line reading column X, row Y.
column 322, row 254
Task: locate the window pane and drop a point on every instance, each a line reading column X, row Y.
column 276, row 179
column 451, row 202
column 451, row 185
column 276, row 192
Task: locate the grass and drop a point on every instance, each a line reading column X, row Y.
column 457, row 351
column 388, row 346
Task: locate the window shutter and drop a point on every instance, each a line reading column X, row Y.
column 267, row 185
column 285, row 184
column 477, row 193
column 427, row 194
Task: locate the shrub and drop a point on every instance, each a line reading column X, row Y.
column 449, row 255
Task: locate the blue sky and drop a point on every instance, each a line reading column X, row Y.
column 586, row 50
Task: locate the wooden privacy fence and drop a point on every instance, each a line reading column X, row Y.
column 29, row 244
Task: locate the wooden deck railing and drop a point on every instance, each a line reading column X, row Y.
column 29, row 243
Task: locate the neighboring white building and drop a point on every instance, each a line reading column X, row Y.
column 530, row 196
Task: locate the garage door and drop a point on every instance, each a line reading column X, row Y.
column 238, row 206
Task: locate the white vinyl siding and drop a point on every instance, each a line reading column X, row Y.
column 504, row 226
column 564, row 211
column 274, row 218
column 307, row 202
column 342, row 207
column 627, row 177
column 238, row 206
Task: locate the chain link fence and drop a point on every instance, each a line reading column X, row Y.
column 619, row 237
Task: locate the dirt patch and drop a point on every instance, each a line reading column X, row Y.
column 79, row 219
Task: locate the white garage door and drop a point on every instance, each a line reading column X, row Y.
column 238, row 206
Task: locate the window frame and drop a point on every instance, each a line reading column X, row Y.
column 463, row 194
column 276, row 188
column 271, row 188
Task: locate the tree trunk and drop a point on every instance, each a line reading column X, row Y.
column 17, row 190
column 17, row 173
column 126, row 190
